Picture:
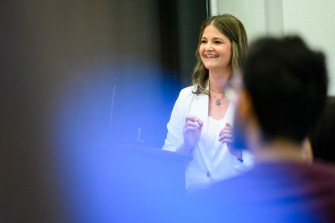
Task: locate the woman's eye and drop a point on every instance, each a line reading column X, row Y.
column 203, row 41
column 218, row 42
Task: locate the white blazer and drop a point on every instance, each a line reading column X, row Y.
column 205, row 168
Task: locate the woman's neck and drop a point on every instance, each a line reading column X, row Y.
column 217, row 80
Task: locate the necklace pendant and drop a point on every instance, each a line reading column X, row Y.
column 218, row 102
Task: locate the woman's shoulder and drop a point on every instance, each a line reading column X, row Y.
column 187, row 91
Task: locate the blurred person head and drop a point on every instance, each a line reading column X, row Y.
column 283, row 91
column 233, row 30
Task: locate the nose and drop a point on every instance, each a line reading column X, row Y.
column 209, row 46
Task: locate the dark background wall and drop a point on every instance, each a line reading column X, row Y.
column 170, row 33
column 61, row 61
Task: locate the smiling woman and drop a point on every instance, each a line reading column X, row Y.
column 201, row 120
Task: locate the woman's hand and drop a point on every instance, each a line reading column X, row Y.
column 226, row 136
column 192, row 131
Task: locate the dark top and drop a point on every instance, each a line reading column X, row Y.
column 270, row 192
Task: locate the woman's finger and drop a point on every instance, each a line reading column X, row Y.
column 192, row 124
column 193, row 119
column 226, row 137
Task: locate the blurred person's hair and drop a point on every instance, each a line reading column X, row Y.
column 287, row 83
column 322, row 136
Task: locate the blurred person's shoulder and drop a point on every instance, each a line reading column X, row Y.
column 282, row 191
column 322, row 168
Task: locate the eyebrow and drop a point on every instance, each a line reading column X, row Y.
column 215, row 38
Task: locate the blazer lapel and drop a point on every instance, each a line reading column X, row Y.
column 199, row 108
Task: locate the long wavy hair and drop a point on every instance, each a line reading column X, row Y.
column 234, row 30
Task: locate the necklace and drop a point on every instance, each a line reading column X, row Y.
column 218, row 100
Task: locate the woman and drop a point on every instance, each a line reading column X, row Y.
column 201, row 120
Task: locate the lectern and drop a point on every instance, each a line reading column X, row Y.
column 149, row 169
column 130, row 183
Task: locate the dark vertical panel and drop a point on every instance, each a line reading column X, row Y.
column 180, row 23
column 169, row 39
column 191, row 14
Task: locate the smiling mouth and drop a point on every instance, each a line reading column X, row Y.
column 211, row 56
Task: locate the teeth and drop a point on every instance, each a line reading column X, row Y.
column 211, row 56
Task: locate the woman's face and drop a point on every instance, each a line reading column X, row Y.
column 215, row 49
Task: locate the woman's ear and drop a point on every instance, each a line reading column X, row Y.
column 307, row 150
